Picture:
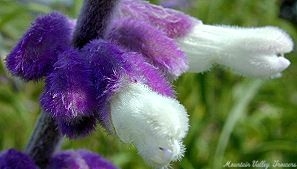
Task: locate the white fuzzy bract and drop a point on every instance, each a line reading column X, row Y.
column 155, row 124
column 255, row 52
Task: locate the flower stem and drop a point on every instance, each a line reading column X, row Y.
column 44, row 140
column 93, row 20
column 92, row 23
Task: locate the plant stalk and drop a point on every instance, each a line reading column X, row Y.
column 44, row 140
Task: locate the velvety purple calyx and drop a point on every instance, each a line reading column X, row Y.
column 13, row 159
column 140, row 71
column 161, row 51
column 68, row 92
column 106, row 64
column 36, row 52
column 80, row 159
column 174, row 23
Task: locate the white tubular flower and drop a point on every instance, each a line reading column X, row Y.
column 254, row 52
column 155, row 124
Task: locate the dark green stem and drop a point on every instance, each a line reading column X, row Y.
column 93, row 21
column 44, row 140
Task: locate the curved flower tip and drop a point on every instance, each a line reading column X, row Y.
column 12, row 159
column 37, row 51
column 155, row 45
column 255, row 52
column 155, row 124
column 79, row 159
column 69, row 92
column 174, row 23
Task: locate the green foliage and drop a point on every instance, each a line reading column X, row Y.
column 231, row 118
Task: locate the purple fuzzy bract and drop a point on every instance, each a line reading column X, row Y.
column 68, row 91
column 106, row 64
column 174, row 23
column 141, row 37
column 80, row 159
column 12, row 159
column 37, row 50
column 69, row 94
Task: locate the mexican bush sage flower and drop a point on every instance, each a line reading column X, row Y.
column 13, row 159
column 113, row 68
column 79, row 159
column 123, row 82
column 134, row 109
column 255, row 52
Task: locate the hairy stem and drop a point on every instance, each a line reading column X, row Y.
column 92, row 23
column 43, row 141
column 93, row 20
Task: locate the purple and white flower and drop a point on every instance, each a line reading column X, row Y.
column 123, row 81
column 255, row 52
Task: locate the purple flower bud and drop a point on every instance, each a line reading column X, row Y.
column 69, row 94
column 80, row 159
column 37, row 50
column 68, row 90
column 174, row 23
column 141, row 37
column 12, row 159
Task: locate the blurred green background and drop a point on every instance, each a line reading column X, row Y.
column 231, row 118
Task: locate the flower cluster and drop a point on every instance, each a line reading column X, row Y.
column 124, row 80
column 78, row 159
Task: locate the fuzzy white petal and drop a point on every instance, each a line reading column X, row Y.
column 256, row 52
column 155, row 124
